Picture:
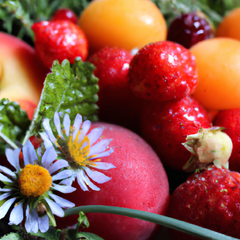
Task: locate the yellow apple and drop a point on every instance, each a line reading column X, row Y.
column 21, row 72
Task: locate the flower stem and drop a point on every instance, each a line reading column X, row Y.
column 182, row 226
column 8, row 141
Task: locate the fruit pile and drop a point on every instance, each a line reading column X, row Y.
column 168, row 105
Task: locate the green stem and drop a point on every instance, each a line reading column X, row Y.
column 182, row 226
column 8, row 141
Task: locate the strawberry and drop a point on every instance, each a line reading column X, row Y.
column 230, row 120
column 59, row 40
column 163, row 71
column 165, row 126
column 210, row 199
column 64, row 14
column 116, row 103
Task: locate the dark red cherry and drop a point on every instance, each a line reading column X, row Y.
column 189, row 29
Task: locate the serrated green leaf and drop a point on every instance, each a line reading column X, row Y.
column 67, row 88
column 12, row 236
column 15, row 122
column 51, row 234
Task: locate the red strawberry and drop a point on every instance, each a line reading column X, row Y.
column 116, row 103
column 59, row 40
column 230, row 120
column 163, row 71
column 165, row 126
column 65, row 14
column 210, row 199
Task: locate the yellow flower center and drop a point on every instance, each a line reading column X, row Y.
column 78, row 153
column 34, row 180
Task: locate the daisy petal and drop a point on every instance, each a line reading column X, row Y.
column 76, row 125
column 64, row 203
column 4, row 195
column 61, row 175
column 16, row 215
column 103, row 154
column 61, row 163
column 99, row 147
column 55, row 208
column 57, row 123
column 85, row 128
column 48, row 130
column 5, row 207
column 13, row 157
column 68, row 181
column 7, row 171
column 46, row 141
column 29, row 154
column 81, row 183
column 5, row 190
column 32, row 221
column 63, row 189
column 103, row 165
column 89, row 183
column 4, row 178
column 48, row 157
column 66, row 124
column 43, row 223
column 97, row 176
column 94, row 135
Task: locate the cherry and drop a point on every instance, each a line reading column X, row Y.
column 189, row 29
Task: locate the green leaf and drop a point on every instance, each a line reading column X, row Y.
column 14, row 122
column 51, row 234
column 82, row 221
column 12, row 236
column 68, row 88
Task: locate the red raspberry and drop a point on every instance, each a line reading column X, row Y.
column 59, row 40
column 209, row 199
column 165, row 126
column 163, row 71
column 64, row 14
column 116, row 103
column 230, row 120
column 189, row 29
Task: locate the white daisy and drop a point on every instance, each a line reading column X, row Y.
column 81, row 149
column 30, row 188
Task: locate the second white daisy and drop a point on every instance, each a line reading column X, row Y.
column 81, row 149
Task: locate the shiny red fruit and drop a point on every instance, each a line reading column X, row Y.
column 59, row 40
column 208, row 199
column 189, row 29
column 117, row 104
column 139, row 181
column 230, row 120
column 165, row 126
column 64, row 14
column 163, row 71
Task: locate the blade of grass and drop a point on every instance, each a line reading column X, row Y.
column 182, row 226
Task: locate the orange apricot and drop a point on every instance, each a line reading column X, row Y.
column 126, row 24
column 218, row 62
column 230, row 25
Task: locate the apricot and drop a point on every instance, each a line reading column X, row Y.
column 139, row 181
column 126, row 24
column 218, row 62
column 230, row 25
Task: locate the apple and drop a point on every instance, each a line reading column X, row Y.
column 21, row 72
column 139, row 181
